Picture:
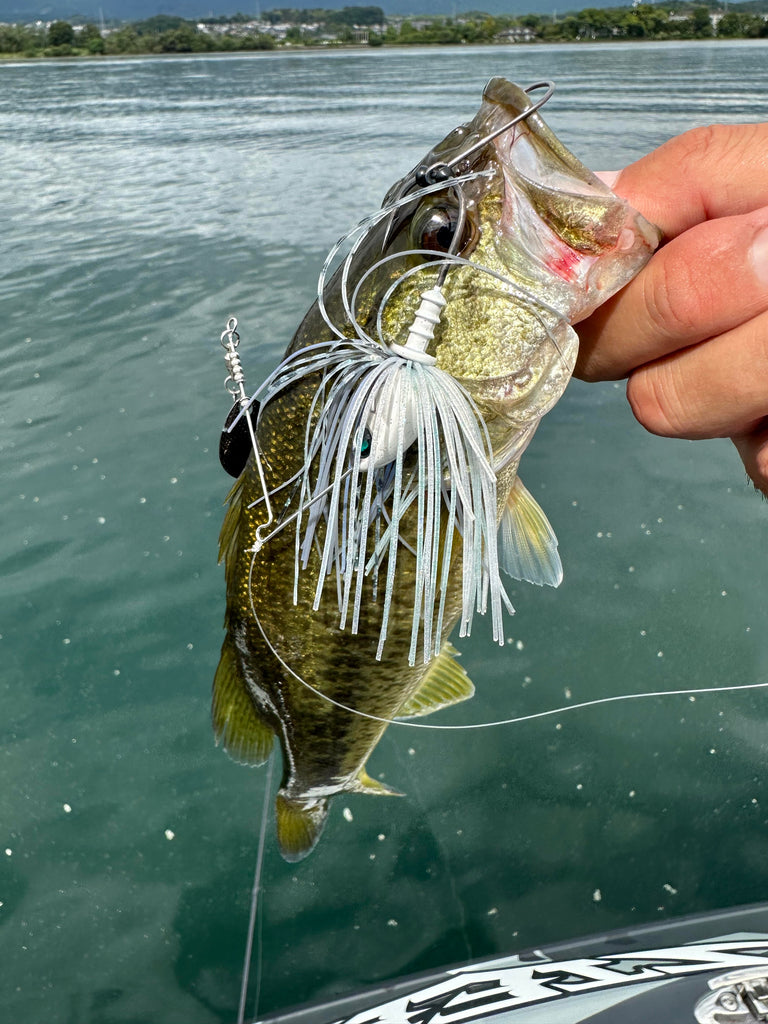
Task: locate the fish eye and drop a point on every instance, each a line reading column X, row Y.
column 433, row 227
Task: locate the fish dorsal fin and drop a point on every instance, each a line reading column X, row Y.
column 237, row 724
column 445, row 683
column 528, row 549
column 299, row 825
column 365, row 784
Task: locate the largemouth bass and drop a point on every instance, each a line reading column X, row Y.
column 380, row 500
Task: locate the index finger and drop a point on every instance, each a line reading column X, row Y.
column 717, row 171
column 708, row 191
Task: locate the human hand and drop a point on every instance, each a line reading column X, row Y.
column 691, row 330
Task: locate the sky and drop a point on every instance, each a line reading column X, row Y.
column 135, row 10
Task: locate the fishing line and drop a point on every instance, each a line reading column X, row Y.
column 255, row 905
column 581, row 705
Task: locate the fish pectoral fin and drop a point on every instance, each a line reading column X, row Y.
column 230, row 528
column 363, row 783
column 528, row 549
column 237, row 724
column 299, row 825
column 445, row 683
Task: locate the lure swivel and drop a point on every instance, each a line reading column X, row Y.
column 235, row 382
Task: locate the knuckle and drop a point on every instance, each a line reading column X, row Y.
column 588, row 372
column 753, row 450
column 728, row 148
column 655, row 400
column 698, row 143
column 677, row 297
column 759, row 473
column 588, row 367
column 712, row 143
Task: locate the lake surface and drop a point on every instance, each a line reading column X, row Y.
column 144, row 200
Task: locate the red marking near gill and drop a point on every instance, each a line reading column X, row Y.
column 564, row 264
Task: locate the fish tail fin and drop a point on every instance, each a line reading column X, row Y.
column 299, row 825
column 237, row 724
column 365, row 784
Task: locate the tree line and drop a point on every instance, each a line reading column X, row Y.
column 60, row 39
column 167, row 34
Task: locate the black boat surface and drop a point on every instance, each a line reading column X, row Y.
column 705, row 969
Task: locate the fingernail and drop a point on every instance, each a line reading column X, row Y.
column 759, row 255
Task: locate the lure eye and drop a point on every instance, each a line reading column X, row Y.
column 434, row 227
column 365, row 447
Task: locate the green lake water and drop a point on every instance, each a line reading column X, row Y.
column 144, row 200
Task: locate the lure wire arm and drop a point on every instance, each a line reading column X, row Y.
column 522, row 116
column 443, row 172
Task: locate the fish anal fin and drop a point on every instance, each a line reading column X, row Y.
column 299, row 825
column 445, row 683
column 365, row 784
column 237, row 724
column 528, row 549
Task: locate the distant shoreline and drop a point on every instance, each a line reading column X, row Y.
column 321, row 30
column 283, row 51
